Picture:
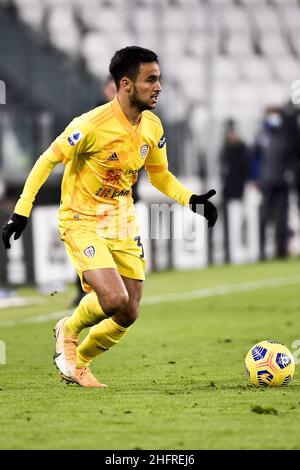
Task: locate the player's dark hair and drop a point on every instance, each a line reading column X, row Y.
column 126, row 62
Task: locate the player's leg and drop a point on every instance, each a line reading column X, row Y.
column 108, row 286
column 122, row 311
column 116, row 298
column 66, row 331
column 98, row 304
column 85, row 257
column 87, row 313
column 119, row 293
column 130, row 312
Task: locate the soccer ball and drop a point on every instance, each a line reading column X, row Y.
column 269, row 364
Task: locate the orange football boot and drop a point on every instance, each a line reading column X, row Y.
column 65, row 349
column 83, row 377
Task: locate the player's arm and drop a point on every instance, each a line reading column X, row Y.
column 160, row 177
column 163, row 180
column 69, row 144
column 36, row 178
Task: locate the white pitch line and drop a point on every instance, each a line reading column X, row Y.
column 36, row 318
column 221, row 290
column 175, row 297
column 20, row 301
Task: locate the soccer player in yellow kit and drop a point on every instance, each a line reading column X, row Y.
column 102, row 151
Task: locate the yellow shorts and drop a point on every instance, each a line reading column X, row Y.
column 88, row 251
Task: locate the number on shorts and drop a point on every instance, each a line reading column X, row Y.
column 139, row 243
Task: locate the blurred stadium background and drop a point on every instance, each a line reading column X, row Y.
column 229, row 67
column 223, row 63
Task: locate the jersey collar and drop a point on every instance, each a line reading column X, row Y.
column 123, row 119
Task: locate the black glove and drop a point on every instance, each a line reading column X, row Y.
column 208, row 210
column 16, row 225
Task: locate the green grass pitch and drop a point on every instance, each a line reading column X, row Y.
column 176, row 381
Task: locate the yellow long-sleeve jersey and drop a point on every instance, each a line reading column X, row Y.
column 103, row 153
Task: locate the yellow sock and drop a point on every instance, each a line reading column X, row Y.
column 100, row 338
column 88, row 313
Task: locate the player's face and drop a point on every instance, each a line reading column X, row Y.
column 146, row 88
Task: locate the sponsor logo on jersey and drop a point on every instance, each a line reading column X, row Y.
column 131, row 172
column 113, row 158
column 110, row 193
column 162, row 142
column 120, row 192
column 75, row 138
column 112, row 175
column 90, row 251
column 103, row 191
column 144, row 150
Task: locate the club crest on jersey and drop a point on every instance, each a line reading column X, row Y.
column 144, row 150
column 75, row 138
column 90, row 251
column 162, row 142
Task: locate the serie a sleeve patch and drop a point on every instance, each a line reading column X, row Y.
column 162, row 141
column 75, row 138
